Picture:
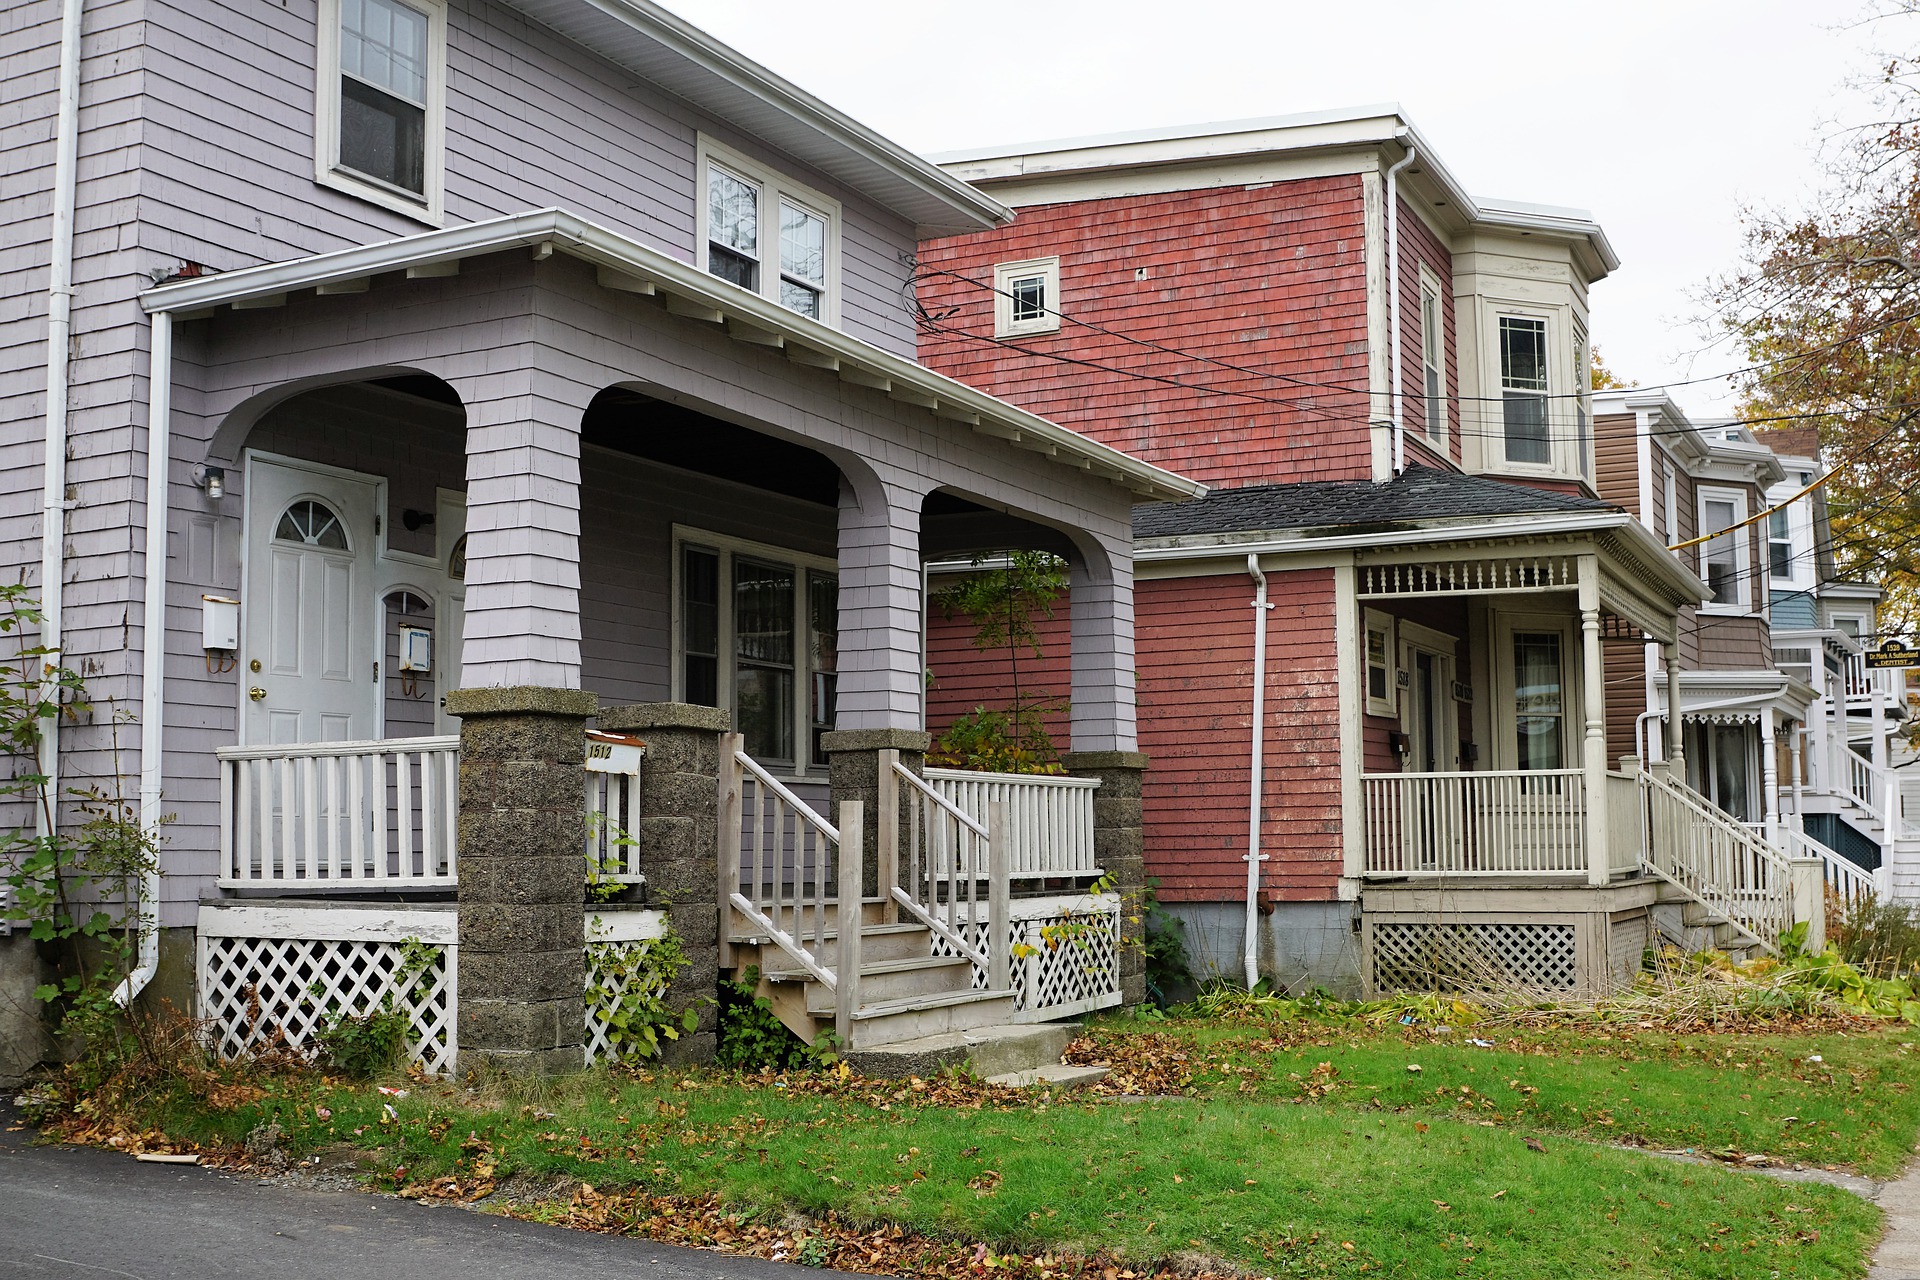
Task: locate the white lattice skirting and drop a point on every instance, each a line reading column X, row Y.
column 1065, row 954
column 1457, row 956
column 279, row 971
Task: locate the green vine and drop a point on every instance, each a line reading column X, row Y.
column 365, row 1045
column 627, row 984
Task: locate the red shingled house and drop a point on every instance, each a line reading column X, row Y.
column 1385, row 381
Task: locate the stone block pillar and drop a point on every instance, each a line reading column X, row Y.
column 1117, row 846
column 680, row 846
column 853, row 768
column 521, row 858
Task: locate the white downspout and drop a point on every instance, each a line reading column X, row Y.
column 1256, row 782
column 1393, row 304
column 153, row 645
column 53, row 470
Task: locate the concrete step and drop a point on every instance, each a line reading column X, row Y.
column 992, row 1050
column 1054, row 1077
column 890, row 1022
column 877, row 942
column 896, row 981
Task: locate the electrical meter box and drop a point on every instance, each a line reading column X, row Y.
column 416, row 649
column 219, row 623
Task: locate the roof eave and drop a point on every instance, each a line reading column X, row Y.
column 657, row 272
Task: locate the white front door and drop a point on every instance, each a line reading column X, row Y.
column 309, row 667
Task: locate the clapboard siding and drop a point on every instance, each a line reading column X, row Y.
column 1420, row 246
column 1617, row 456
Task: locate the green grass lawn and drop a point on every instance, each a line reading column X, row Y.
column 1388, row 1172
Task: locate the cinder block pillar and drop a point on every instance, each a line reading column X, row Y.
column 853, row 769
column 1117, row 846
column 523, row 831
column 680, row 846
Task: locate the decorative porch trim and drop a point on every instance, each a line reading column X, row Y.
column 635, row 263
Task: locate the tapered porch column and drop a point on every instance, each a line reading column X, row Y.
column 1769, row 776
column 1676, row 725
column 879, row 700
column 1593, row 688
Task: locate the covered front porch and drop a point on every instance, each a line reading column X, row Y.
column 523, row 541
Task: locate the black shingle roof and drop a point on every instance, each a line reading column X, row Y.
column 1418, row 493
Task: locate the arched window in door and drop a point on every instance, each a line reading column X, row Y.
column 314, row 523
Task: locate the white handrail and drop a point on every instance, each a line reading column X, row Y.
column 776, row 830
column 1518, row 822
column 1849, row 881
column 940, row 836
column 1717, row 861
column 1049, row 817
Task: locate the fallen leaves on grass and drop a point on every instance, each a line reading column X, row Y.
column 1156, row 1063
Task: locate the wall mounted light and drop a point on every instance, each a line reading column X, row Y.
column 213, row 480
column 415, row 519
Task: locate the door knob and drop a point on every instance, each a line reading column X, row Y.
column 256, row 693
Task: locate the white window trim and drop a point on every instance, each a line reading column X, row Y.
column 1742, row 546
column 802, row 768
column 1442, row 648
column 772, row 186
column 1432, row 345
column 1584, row 435
column 1004, row 274
column 1376, row 620
column 327, row 170
column 1672, row 497
column 1804, row 572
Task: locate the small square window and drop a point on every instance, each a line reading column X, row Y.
column 1026, row 297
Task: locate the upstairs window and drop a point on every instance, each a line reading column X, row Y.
column 1026, row 297
column 1433, row 355
column 1523, row 390
column 1780, row 555
column 1582, row 375
column 1723, row 559
column 380, row 93
column 768, row 234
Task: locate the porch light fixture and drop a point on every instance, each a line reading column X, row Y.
column 213, row 480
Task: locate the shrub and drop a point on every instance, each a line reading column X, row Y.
column 1881, row 938
column 366, row 1045
column 752, row 1035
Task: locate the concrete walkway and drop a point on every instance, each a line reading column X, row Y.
column 1898, row 1257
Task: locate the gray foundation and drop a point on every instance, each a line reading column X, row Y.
column 1301, row 945
column 1117, row 845
column 853, row 768
column 24, row 1042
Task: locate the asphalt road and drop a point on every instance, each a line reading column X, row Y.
column 69, row 1213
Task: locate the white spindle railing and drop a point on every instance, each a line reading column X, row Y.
column 782, row 877
column 1716, row 860
column 380, row 814
column 613, row 808
column 1847, row 879
column 1049, row 819
column 1519, row 822
column 946, row 860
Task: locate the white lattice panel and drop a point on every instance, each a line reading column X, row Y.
column 1077, row 971
column 1428, row 956
column 252, row 989
column 612, row 970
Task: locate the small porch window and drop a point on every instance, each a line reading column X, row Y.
column 381, row 102
column 1378, row 655
column 757, row 633
column 1523, row 390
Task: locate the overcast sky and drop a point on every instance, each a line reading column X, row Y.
column 1662, row 117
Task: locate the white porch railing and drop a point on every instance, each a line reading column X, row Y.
column 1513, row 823
column 1845, row 878
column 1716, row 860
column 613, row 808
column 1049, row 818
column 380, row 814
column 949, row 855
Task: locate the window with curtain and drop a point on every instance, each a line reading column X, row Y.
column 1539, row 700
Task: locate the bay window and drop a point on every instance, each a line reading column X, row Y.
column 756, row 632
column 1433, row 356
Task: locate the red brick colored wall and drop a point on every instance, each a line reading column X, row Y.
column 1418, row 244
column 1271, row 278
column 965, row 677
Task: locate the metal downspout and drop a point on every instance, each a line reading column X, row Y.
column 1257, row 762
column 1393, row 302
column 53, row 498
column 153, row 645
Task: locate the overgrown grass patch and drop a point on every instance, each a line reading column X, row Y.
column 1844, row 1100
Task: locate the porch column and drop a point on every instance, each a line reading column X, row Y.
column 680, row 847
column 522, row 615
column 1676, row 724
column 1798, row 765
column 1118, row 850
column 1101, row 614
column 1594, row 694
column 523, row 830
column 1769, row 776
column 880, row 696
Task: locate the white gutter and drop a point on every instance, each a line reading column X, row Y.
column 1393, row 303
column 630, row 266
column 1257, row 780
column 153, row 647
column 53, row 469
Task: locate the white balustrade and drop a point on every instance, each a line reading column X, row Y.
column 1626, row 823
column 613, row 808
column 1049, row 818
column 1513, row 823
column 1716, row 860
column 949, row 856
column 1845, row 878
column 783, row 877
column 373, row 815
